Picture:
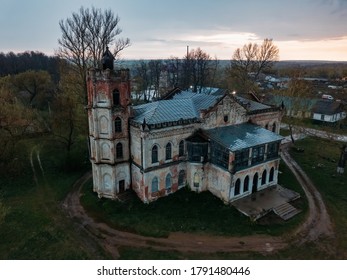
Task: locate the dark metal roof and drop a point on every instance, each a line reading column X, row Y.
column 242, row 136
column 327, row 107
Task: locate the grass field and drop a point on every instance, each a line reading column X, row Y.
column 188, row 211
column 35, row 226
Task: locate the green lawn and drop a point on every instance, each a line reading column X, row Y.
column 319, row 160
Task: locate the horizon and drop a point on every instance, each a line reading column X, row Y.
column 301, row 29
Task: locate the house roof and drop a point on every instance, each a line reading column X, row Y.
column 327, row 107
column 242, row 136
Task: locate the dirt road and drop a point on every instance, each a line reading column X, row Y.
column 317, row 225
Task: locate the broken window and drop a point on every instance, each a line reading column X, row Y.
column 197, row 152
column 181, row 148
column 241, row 159
column 272, row 150
column 258, row 154
column 168, row 151
column 119, row 150
column 118, row 125
column 219, row 155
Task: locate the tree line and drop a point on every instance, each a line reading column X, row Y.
column 42, row 94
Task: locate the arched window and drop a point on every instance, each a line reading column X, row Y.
column 115, row 97
column 196, row 180
column 237, row 187
column 168, row 151
column 119, row 150
column 155, row 185
column 168, row 182
column 271, row 177
column 263, row 177
column 274, row 127
column 155, row 154
column 181, row 177
column 246, row 184
column 267, row 126
column 255, row 183
column 118, row 125
column 181, row 148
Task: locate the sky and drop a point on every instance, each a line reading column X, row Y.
column 159, row 29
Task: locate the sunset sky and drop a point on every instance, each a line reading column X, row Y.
column 302, row 29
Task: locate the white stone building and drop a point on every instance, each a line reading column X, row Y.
column 218, row 142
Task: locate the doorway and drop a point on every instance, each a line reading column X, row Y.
column 121, row 186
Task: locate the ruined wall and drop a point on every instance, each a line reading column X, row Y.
column 219, row 181
column 161, row 137
column 106, row 179
column 226, row 112
column 268, row 120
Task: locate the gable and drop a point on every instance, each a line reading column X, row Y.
column 225, row 112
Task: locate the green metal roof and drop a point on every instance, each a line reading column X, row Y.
column 242, row 136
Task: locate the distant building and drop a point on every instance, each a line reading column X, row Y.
column 328, row 111
column 218, row 142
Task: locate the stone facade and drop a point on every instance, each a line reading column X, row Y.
column 158, row 148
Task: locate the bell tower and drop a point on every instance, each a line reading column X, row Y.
column 108, row 116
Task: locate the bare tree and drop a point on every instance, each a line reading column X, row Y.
column 251, row 60
column 85, row 36
column 199, row 69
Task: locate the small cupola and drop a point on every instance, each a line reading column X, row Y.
column 107, row 60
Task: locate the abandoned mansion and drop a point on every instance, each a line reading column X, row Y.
column 215, row 141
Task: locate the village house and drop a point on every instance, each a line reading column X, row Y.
column 328, row 111
column 216, row 141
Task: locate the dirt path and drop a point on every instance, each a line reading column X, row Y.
column 318, row 222
column 316, row 225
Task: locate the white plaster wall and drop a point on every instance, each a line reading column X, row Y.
column 219, row 181
column 250, row 172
